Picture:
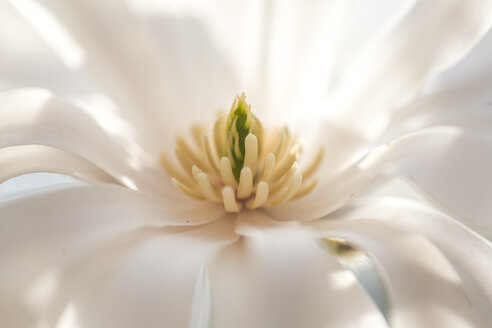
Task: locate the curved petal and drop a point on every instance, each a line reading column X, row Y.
column 424, row 289
column 299, row 45
column 368, row 21
column 471, row 73
column 152, row 281
column 35, row 116
column 459, row 96
column 447, row 150
column 452, row 165
column 470, row 254
column 18, row 160
column 106, row 40
column 282, row 277
column 433, row 36
column 462, row 109
column 68, row 250
column 333, row 190
column 87, row 35
column 210, row 50
column 26, row 60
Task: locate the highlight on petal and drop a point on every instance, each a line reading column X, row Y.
column 52, row 31
column 102, row 256
column 447, row 150
column 428, row 40
column 336, row 189
column 146, row 81
column 36, row 116
column 282, row 277
column 424, row 288
column 18, row 160
column 468, row 252
column 451, row 165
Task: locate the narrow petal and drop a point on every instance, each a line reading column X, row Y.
column 469, row 253
column 334, row 190
column 433, row 36
column 430, row 157
column 150, row 82
column 470, row 74
column 452, row 166
column 282, row 277
column 26, row 60
column 18, row 160
column 151, row 280
column 35, row 116
column 467, row 110
column 95, row 250
column 87, row 35
column 209, row 49
column 424, row 289
column 459, row 96
column 299, row 45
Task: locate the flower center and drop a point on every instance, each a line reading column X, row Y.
column 238, row 163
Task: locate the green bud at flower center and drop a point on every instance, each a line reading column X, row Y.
column 234, row 164
column 240, row 123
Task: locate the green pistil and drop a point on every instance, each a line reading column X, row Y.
column 240, row 123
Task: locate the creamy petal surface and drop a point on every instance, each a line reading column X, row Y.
column 468, row 252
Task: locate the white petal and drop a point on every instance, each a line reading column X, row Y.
column 18, row 160
column 151, row 86
column 151, row 281
column 334, row 189
column 57, row 250
column 340, row 146
column 367, row 22
column 284, row 278
column 433, row 36
column 431, row 158
column 471, row 73
column 88, row 35
column 467, row 110
column 210, row 50
column 28, row 184
column 451, row 165
column 26, row 60
column 299, row 45
column 470, row 254
column 424, row 289
column 459, row 96
column 35, row 116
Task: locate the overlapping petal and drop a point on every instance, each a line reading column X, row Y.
column 430, row 157
column 424, row 289
column 89, row 251
column 430, row 38
column 451, row 165
column 469, row 253
column 36, row 116
column 19, row 160
column 87, row 35
column 104, row 256
column 282, row 277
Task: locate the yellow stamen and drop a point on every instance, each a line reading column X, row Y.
column 239, row 164
column 245, row 187
column 226, row 172
column 251, row 154
column 229, row 200
column 269, row 167
column 261, row 196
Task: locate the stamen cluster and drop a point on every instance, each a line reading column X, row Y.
column 241, row 164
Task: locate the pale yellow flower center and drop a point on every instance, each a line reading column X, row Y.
column 239, row 163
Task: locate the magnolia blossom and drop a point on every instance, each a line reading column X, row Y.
column 342, row 189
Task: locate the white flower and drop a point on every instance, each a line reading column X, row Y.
column 363, row 249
